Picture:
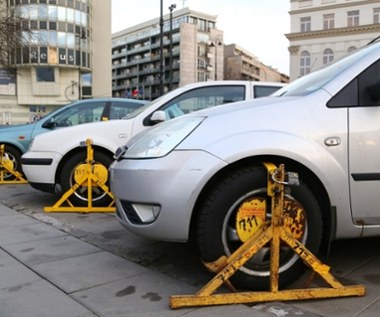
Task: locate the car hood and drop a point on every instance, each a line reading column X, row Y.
column 267, row 114
column 12, row 129
column 243, row 108
column 228, row 108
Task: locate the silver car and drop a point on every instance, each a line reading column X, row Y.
column 194, row 176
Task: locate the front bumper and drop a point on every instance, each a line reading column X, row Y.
column 40, row 169
column 170, row 184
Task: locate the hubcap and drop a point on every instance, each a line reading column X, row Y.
column 99, row 170
column 245, row 218
column 252, row 214
column 80, row 171
column 250, row 217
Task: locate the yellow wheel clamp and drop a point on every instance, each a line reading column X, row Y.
column 273, row 231
column 7, row 168
column 89, row 177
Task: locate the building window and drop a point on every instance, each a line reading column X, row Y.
column 306, row 24
column 53, row 13
column 351, row 49
column 305, row 63
column 202, row 64
column 202, row 76
column 328, row 21
column 376, row 15
column 328, row 56
column 34, row 25
column 43, row 25
column 353, row 18
column 24, row 25
column 211, row 25
column 45, row 74
column 192, row 20
column 202, row 50
column 202, row 25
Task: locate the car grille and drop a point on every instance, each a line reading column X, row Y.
column 130, row 213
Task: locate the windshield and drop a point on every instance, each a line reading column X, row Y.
column 135, row 113
column 317, row 79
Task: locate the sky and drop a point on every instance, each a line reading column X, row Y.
column 258, row 26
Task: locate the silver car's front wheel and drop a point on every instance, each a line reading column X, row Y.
column 222, row 226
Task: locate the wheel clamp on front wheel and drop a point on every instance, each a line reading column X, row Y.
column 89, row 179
column 275, row 232
column 7, row 168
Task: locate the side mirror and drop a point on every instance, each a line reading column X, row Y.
column 158, row 116
column 49, row 124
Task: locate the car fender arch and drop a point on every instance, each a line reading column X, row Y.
column 299, row 153
column 75, row 150
column 303, row 150
column 18, row 146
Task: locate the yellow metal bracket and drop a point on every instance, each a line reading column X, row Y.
column 7, row 170
column 273, row 232
column 88, row 179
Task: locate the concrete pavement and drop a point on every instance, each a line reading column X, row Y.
column 45, row 271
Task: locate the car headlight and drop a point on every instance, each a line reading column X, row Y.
column 163, row 138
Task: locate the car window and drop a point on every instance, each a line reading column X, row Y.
column 121, row 109
column 369, row 86
column 363, row 91
column 82, row 113
column 201, row 98
column 262, row 91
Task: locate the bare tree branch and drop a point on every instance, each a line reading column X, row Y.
column 14, row 31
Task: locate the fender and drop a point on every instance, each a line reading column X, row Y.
column 332, row 174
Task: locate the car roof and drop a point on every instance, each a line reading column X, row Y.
column 107, row 99
column 233, row 82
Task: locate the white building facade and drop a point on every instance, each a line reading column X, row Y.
column 325, row 30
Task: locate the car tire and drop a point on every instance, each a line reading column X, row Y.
column 67, row 180
column 216, row 228
column 15, row 156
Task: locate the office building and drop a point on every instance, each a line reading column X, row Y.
column 191, row 52
column 192, row 47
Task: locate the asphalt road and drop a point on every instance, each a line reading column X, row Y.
column 352, row 261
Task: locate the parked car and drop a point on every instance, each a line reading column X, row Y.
column 49, row 166
column 17, row 138
column 196, row 175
